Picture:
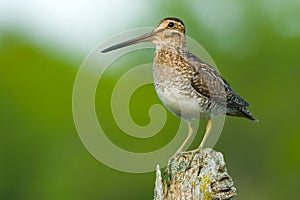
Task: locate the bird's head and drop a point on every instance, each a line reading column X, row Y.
column 169, row 32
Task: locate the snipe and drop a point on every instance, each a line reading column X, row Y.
column 187, row 86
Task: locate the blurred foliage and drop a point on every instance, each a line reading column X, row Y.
column 43, row 158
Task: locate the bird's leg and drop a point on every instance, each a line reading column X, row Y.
column 190, row 133
column 186, row 139
column 207, row 132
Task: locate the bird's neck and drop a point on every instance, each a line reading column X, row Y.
column 174, row 47
column 175, row 43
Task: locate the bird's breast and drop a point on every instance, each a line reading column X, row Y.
column 175, row 91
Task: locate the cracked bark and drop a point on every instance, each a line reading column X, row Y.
column 197, row 176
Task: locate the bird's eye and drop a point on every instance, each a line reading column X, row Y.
column 171, row 24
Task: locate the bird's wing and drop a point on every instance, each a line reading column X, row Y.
column 208, row 82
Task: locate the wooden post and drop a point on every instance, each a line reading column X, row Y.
column 195, row 175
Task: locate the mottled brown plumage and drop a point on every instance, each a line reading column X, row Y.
column 188, row 87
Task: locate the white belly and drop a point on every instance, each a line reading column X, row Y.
column 181, row 105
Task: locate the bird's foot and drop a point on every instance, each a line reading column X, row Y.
column 177, row 155
column 182, row 155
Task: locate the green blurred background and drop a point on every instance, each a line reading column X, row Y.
column 255, row 45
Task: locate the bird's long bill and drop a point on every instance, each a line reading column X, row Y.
column 143, row 38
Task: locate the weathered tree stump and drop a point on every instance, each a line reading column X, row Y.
column 195, row 175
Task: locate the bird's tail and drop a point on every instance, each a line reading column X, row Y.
column 243, row 112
